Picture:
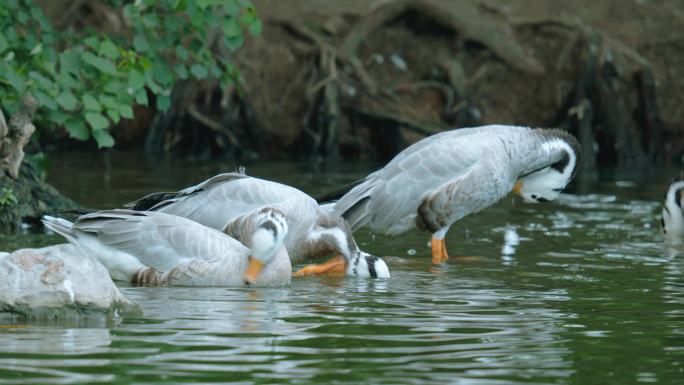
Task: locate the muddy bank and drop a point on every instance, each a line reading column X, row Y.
column 362, row 80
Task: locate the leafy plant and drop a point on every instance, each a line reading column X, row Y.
column 86, row 81
column 7, row 197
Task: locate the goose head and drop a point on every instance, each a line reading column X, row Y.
column 672, row 220
column 561, row 159
column 270, row 229
column 332, row 234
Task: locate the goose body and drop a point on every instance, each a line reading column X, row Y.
column 445, row 177
column 223, row 200
column 158, row 248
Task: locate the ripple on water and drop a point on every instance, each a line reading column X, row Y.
column 578, row 291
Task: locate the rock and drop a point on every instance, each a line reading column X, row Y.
column 57, row 281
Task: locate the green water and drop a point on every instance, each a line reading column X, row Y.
column 590, row 295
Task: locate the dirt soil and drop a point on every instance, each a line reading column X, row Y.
column 346, row 68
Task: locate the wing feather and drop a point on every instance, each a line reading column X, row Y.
column 159, row 240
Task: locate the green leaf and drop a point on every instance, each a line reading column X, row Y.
column 67, row 81
column 231, row 27
column 37, row 49
column 38, row 14
column 3, row 43
column 103, row 138
column 108, row 101
column 235, row 42
column 199, row 71
column 96, row 120
column 77, row 129
column 92, row 42
column 255, row 28
column 232, row 8
column 248, row 17
column 114, row 116
column 141, row 97
column 141, row 44
column 163, row 102
column 115, row 87
column 45, row 100
column 57, row 116
column 16, row 81
column 67, row 100
column 90, row 103
column 109, row 49
column 126, row 111
column 42, row 81
column 136, row 80
column 180, row 5
column 203, row 4
column 162, row 73
column 22, row 17
column 149, row 80
column 181, row 52
column 104, row 65
column 70, row 61
column 181, row 71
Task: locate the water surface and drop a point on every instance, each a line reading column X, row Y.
column 578, row 291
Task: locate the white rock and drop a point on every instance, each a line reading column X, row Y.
column 57, row 281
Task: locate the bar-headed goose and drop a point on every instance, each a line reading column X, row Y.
column 442, row 178
column 672, row 220
column 150, row 248
column 221, row 201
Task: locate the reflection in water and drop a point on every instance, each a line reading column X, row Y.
column 579, row 291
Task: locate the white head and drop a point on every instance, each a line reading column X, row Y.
column 363, row 264
column 672, row 220
column 269, row 233
column 546, row 183
column 332, row 234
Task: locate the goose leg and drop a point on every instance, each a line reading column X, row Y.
column 439, row 251
column 335, row 266
column 146, row 277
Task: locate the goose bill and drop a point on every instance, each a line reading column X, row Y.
column 517, row 188
column 253, row 270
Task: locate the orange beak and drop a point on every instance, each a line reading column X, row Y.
column 517, row 187
column 253, row 270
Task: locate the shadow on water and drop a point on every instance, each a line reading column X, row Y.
column 578, row 291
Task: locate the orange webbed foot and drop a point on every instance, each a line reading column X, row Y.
column 335, row 266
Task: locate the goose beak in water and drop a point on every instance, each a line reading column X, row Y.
column 517, row 188
column 253, row 270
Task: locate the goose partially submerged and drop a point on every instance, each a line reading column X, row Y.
column 222, row 200
column 442, row 178
column 672, row 220
column 149, row 248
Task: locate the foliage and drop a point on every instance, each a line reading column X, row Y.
column 86, row 81
column 7, row 197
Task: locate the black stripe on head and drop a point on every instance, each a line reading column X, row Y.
column 270, row 226
column 662, row 224
column 562, row 163
column 370, row 261
column 678, row 197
